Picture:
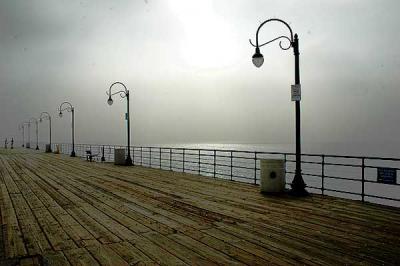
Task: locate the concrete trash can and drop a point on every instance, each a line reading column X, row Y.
column 57, row 151
column 272, row 175
column 28, row 145
column 48, row 148
column 119, row 156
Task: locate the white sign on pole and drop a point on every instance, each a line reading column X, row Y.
column 296, row 92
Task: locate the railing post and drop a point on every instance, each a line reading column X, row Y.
column 255, row 168
column 362, row 178
column 231, row 166
column 150, row 157
column 102, row 154
column 323, row 174
column 285, row 159
column 170, row 159
column 215, row 162
column 133, row 155
column 199, row 161
column 160, row 158
column 183, row 157
column 141, row 155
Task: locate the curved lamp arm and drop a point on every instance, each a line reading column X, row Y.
column 33, row 120
column 280, row 37
column 25, row 123
column 122, row 93
column 68, row 108
column 44, row 115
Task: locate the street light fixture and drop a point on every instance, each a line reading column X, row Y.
column 22, row 127
column 298, row 185
column 37, row 131
column 124, row 94
column 66, row 106
column 46, row 116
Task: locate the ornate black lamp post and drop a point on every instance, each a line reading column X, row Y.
column 298, row 185
column 22, row 128
column 66, row 106
column 124, row 94
column 37, row 131
column 46, row 116
column 28, row 144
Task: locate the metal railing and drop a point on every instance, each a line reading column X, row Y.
column 352, row 177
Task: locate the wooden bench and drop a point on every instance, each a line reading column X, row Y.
column 90, row 156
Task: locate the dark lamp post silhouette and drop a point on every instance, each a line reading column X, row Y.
column 298, row 185
column 66, row 106
column 37, row 131
column 22, row 128
column 124, row 94
column 46, row 116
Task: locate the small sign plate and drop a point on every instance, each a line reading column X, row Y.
column 296, row 92
column 386, row 175
column 126, row 116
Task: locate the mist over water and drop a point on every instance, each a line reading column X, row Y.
column 382, row 149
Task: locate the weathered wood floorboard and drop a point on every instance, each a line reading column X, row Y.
column 60, row 210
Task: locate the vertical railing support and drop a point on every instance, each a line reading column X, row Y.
column 215, row 162
column 133, row 155
column 170, row 159
column 285, row 160
column 255, row 168
column 199, row 161
column 102, row 154
column 231, row 166
column 183, row 163
column 323, row 174
column 141, row 156
column 160, row 158
column 362, row 179
column 150, row 157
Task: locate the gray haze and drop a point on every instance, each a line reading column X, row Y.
column 188, row 67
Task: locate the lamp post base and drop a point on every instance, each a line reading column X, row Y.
column 128, row 161
column 298, row 187
column 37, row 148
column 73, row 154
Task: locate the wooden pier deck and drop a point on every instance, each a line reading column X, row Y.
column 57, row 210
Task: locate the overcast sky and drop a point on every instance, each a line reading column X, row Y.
column 188, row 67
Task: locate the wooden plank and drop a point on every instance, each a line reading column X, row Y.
column 130, row 254
column 156, row 253
column 138, row 215
column 55, row 258
column 180, row 251
column 13, row 240
column 106, row 256
column 80, row 257
column 99, row 232
column 204, row 250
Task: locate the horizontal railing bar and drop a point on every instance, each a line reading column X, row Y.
column 381, row 197
column 251, row 152
column 228, row 163
column 342, row 191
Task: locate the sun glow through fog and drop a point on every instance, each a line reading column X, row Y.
column 204, row 35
